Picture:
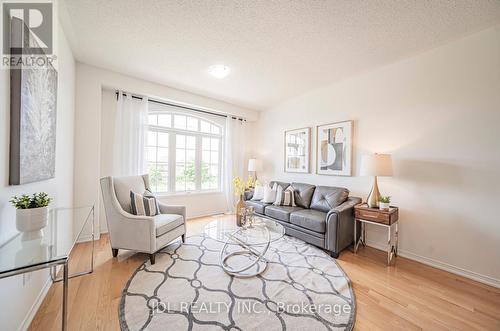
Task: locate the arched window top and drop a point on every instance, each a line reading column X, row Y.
column 183, row 121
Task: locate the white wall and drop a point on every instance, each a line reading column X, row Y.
column 17, row 313
column 95, row 109
column 438, row 113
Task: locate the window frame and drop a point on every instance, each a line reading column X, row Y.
column 172, row 148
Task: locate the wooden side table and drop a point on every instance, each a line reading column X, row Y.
column 384, row 218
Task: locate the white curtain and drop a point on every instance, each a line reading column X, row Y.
column 234, row 158
column 130, row 136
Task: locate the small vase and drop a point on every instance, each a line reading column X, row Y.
column 33, row 219
column 239, row 206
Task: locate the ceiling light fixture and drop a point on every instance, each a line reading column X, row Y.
column 219, row 70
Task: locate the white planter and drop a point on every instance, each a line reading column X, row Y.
column 383, row 205
column 33, row 219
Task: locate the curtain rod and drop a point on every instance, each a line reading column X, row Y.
column 180, row 106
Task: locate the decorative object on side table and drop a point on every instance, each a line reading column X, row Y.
column 384, row 202
column 385, row 218
column 334, row 149
column 297, row 150
column 32, row 212
column 375, row 165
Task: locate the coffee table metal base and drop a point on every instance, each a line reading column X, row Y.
column 256, row 257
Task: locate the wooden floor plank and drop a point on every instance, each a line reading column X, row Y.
column 407, row 296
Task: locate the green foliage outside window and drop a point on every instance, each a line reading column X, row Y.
column 189, row 174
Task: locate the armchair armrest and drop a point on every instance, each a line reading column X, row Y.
column 126, row 226
column 167, row 209
column 340, row 225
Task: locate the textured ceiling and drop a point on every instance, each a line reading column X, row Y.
column 276, row 49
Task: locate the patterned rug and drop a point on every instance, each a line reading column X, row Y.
column 303, row 288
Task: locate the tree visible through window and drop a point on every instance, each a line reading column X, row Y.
column 184, row 153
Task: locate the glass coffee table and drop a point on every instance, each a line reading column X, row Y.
column 252, row 241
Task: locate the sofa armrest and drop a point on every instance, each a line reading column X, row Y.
column 170, row 209
column 248, row 194
column 340, row 225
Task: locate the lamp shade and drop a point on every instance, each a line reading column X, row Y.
column 376, row 165
column 254, row 165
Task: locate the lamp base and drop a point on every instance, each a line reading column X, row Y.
column 374, row 196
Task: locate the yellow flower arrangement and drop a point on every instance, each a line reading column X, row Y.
column 240, row 186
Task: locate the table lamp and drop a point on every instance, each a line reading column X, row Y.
column 254, row 165
column 375, row 165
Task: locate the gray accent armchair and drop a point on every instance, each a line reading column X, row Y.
column 138, row 233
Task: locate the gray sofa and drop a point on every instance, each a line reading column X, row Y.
column 324, row 215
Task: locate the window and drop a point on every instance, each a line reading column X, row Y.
column 184, row 152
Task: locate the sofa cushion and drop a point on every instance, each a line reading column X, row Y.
column 269, row 194
column 257, row 205
column 167, row 222
column 258, row 193
column 303, row 194
column 281, row 213
column 284, row 197
column 310, row 219
column 282, row 184
column 326, row 198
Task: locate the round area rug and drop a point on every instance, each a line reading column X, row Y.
column 302, row 288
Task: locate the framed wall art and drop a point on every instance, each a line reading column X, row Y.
column 33, row 115
column 297, row 150
column 334, row 149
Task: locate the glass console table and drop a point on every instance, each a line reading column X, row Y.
column 49, row 248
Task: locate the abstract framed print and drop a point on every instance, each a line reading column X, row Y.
column 334, row 149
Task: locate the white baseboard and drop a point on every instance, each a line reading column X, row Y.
column 207, row 215
column 441, row 265
column 88, row 237
column 36, row 305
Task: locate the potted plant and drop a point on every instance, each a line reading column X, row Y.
column 384, row 202
column 32, row 211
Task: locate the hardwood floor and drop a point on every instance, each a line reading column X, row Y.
column 409, row 295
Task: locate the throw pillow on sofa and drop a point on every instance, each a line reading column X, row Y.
column 258, row 193
column 269, row 194
column 284, row 197
column 143, row 205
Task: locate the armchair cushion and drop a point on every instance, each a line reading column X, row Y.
column 167, row 222
column 123, row 186
column 143, row 205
